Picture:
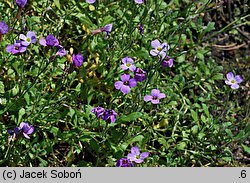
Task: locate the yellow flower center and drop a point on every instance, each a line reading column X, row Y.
column 233, row 81
column 128, row 64
column 28, row 39
column 159, row 48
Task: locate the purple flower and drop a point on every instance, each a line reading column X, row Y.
column 109, row 114
column 26, row 129
column 125, row 84
column 154, row 97
column 50, row 40
column 141, row 29
column 107, row 29
column 77, row 59
column 168, row 62
column 140, row 75
column 28, row 39
column 233, row 81
column 124, row 162
column 98, row 111
column 90, row 1
column 15, row 48
column 158, row 48
column 61, row 51
column 139, row 1
column 13, row 134
column 128, row 63
column 21, row 3
column 3, row 27
column 136, row 156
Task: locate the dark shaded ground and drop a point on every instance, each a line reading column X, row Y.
column 230, row 49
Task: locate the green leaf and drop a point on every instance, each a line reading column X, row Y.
column 227, row 159
column 85, row 138
column 201, row 135
column 194, row 115
column 210, row 26
column 15, row 90
column 163, row 142
column 71, row 112
column 200, row 55
column 194, row 129
column 1, row 87
column 90, row 96
column 27, row 98
column 203, row 118
column 181, row 58
column 54, row 130
column 181, row 146
column 205, row 108
column 131, row 117
column 11, row 72
column 218, row 76
column 57, row 3
column 138, row 138
column 208, row 86
column 247, row 130
column 228, row 131
column 124, row 146
column 142, row 53
column 241, row 135
column 20, row 114
column 84, row 20
column 42, row 163
column 246, row 148
column 172, row 103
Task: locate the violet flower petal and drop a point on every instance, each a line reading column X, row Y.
column 42, row 42
column 125, row 77
column 91, row 1
column 125, row 89
column 155, row 92
column 118, row 85
column 161, row 95
column 147, row 98
column 132, row 68
column 135, row 150
column 139, row 1
column 132, row 82
column 26, row 135
column 235, row 86
column 31, row 130
column 22, row 49
column 144, row 155
column 238, row 79
column 230, row 76
column 155, row 43
column 155, row 101
column 9, row 48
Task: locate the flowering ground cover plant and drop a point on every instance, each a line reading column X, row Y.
column 123, row 84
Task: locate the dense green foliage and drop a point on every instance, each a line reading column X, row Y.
column 198, row 123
